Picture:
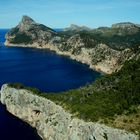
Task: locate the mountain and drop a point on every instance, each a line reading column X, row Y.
column 104, row 49
column 113, row 99
column 28, row 31
column 77, row 28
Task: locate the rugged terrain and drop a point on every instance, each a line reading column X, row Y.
column 52, row 121
column 104, row 49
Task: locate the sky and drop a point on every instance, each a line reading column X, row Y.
column 62, row 13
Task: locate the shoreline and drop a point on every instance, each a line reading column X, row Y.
column 54, row 49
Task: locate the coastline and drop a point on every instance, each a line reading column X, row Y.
column 51, row 48
column 107, row 100
column 84, row 60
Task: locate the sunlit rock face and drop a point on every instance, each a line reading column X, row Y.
column 52, row 122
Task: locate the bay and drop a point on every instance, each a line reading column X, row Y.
column 40, row 68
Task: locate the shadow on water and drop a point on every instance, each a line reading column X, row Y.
column 12, row 128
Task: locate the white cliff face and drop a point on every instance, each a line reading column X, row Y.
column 53, row 122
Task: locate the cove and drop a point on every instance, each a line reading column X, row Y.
column 38, row 68
column 43, row 69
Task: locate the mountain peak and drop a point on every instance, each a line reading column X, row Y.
column 124, row 25
column 74, row 27
column 27, row 20
column 25, row 23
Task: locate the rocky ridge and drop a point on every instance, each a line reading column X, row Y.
column 104, row 49
column 29, row 32
column 52, row 121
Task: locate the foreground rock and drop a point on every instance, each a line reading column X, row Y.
column 104, row 49
column 53, row 122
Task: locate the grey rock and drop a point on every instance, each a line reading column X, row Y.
column 52, row 122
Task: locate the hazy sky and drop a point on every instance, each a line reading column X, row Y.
column 62, row 13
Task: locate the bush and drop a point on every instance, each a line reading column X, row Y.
column 21, row 38
column 16, row 85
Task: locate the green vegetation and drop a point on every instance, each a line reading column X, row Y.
column 90, row 39
column 110, row 96
column 14, row 31
column 114, row 39
column 21, row 38
column 21, row 86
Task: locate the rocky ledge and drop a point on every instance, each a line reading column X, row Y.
column 104, row 49
column 52, row 122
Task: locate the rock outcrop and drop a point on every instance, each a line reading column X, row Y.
column 104, row 49
column 52, row 121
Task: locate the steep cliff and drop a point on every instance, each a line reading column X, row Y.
column 104, row 49
column 29, row 32
column 52, row 121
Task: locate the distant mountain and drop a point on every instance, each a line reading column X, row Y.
column 104, row 49
column 28, row 31
column 77, row 28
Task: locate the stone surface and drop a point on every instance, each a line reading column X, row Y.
column 53, row 122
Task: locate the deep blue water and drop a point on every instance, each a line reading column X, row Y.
column 41, row 68
column 38, row 68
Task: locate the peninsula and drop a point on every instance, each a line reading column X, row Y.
column 108, row 109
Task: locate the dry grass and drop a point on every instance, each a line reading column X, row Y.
column 129, row 122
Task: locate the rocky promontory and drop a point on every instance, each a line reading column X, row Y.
column 104, row 49
column 52, row 122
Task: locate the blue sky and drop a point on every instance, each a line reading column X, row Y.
column 62, row 13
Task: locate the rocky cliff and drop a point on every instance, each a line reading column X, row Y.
column 52, row 121
column 29, row 32
column 104, row 49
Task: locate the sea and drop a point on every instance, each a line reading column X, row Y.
column 39, row 68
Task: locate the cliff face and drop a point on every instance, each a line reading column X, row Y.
column 29, row 32
column 53, row 122
column 104, row 49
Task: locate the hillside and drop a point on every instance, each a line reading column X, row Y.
column 103, row 49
